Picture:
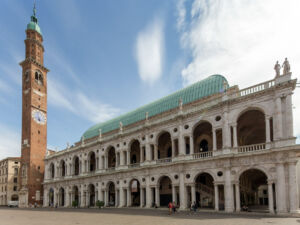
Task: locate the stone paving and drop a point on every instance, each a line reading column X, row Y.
column 132, row 216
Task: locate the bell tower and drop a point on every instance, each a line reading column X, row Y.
column 34, row 117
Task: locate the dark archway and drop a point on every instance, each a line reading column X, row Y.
column 76, row 165
column 203, row 137
column 14, row 197
column 164, row 145
column 92, row 193
column 63, row 168
column 51, row 197
column 135, row 152
column 111, row 194
column 165, row 191
column 76, row 196
column 205, row 194
column 52, row 170
column 251, row 128
column 254, row 189
column 111, row 154
column 61, row 197
column 135, row 192
column 92, row 162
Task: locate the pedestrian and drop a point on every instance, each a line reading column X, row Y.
column 195, row 207
column 174, row 207
column 170, row 206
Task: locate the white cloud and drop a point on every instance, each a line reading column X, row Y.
column 149, row 51
column 10, row 142
column 241, row 40
column 78, row 103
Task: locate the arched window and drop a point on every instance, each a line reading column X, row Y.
column 39, row 78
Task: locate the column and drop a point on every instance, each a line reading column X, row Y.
column 193, row 190
column 155, row 152
column 148, row 193
column 87, row 198
column 182, row 191
column 121, row 158
column 235, row 135
column 157, row 202
column 279, row 119
column 214, row 140
column 281, row 191
column 293, row 188
column 106, row 197
column 128, row 197
column 173, row 148
column 141, row 154
column 216, row 197
column 128, row 157
column 237, row 197
column 226, row 131
column 117, row 160
column 270, row 197
column 147, row 149
column 229, row 206
column 268, row 137
column 191, row 144
column 46, row 199
column 141, row 197
column 106, row 161
column 289, row 115
column 174, row 194
column 100, row 198
column 67, row 197
column 121, row 197
column 82, row 197
column 116, row 197
column 181, row 144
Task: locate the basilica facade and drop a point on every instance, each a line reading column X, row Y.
column 210, row 143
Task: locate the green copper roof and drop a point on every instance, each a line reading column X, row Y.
column 209, row 86
column 33, row 24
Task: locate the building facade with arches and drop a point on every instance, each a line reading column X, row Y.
column 209, row 143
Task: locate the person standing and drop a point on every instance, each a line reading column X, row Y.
column 170, row 206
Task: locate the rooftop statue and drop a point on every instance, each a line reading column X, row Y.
column 286, row 67
column 277, row 68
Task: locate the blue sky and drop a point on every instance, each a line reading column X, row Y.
column 109, row 57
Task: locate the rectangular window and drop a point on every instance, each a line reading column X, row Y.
column 15, row 188
column 16, row 171
column 15, row 180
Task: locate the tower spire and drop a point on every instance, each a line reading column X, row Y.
column 33, row 24
column 34, row 9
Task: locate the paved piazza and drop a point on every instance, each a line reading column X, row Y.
column 132, row 217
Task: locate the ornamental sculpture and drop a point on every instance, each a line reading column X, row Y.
column 286, row 67
column 277, row 68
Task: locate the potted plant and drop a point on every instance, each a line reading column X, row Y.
column 75, row 204
column 100, row 204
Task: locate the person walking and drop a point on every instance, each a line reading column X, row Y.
column 170, row 206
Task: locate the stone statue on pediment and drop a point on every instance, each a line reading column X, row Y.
column 286, row 66
column 277, row 68
column 180, row 104
column 121, row 126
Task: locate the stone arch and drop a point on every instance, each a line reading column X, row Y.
column 92, row 161
column 202, row 136
column 61, row 194
column 111, row 188
column 52, row 170
column 62, row 166
column 51, row 197
column 135, row 151
column 257, row 167
column 92, row 194
column 165, row 190
column 76, row 165
column 164, row 144
column 253, row 184
column 135, row 189
column 75, row 196
column 213, row 175
column 251, row 128
column 242, row 110
column 204, row 188
column 111, row 156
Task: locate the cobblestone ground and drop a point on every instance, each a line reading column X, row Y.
column 133, row 216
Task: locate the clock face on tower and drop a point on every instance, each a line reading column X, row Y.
column 39, row 117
